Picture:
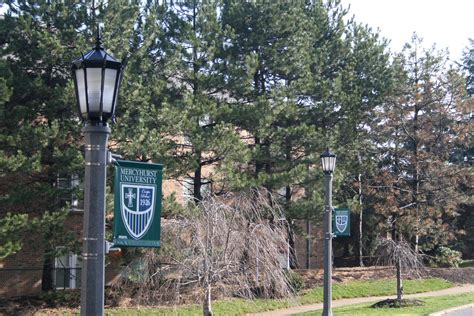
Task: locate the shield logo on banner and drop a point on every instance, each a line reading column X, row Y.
column 341, row 222
column 137, row 204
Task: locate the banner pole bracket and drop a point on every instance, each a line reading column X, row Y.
column 109, row 247
column 112, row 158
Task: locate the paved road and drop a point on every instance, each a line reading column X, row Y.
column 466, row 288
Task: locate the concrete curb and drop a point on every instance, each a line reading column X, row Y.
column 455, row 309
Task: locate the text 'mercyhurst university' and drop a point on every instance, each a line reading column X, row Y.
column 138, row 175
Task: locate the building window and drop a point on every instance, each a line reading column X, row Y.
column 205, row 120
column 68, row 271
column 70, row 192
column 188, row 189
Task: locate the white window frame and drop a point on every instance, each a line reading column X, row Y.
column 70, row 182
column 73, row 264
column 188, row 189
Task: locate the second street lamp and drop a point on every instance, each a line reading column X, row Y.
column 96, row 78
column 328, row 161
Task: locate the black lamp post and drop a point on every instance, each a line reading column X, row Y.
column 96, row 78
column 328, row 161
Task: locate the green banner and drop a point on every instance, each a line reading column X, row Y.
column 137, row 204
column 341, row 222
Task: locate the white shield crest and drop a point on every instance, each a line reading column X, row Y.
column 341, row 222
column 137, row 205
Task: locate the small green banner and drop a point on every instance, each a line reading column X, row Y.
column 137, row 204
column 341, row 222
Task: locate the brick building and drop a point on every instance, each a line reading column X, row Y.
column 21, row 273
column 309, row 251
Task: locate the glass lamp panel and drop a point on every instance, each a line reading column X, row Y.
column 94, row 85
column 324, row 163
column 109, row 88
column 117, row 93
column 329, row 163
column 333, row 163
column 81, row 90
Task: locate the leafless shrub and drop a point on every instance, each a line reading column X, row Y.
column 400, row 254
column 148, row 279
column 391, row 251
column 227, row 245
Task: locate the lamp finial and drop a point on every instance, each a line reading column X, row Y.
column 98, row 40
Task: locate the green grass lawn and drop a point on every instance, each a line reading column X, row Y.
column 431, row 305
column 240, row 306
column 467, row 263
column 223, row 307
column 374, row 288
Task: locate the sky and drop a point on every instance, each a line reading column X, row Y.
column 446, row 23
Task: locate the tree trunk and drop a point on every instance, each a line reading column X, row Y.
column 417, row 238
column 293, row 261
column 399, row 280
column 197, row 181
column 398, row 265
column 416, row 175
column 361, row 260
column 291, row 243
column 258, row 164
column 207, row 308
column 47, row 280
column 308, row 243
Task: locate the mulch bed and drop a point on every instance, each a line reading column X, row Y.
column 394, row 303
column 455, row 275
column 315, row 277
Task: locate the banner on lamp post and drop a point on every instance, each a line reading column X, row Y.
column 341, row 222
column 137, row 204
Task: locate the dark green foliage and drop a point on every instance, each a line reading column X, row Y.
column 39, row 131
column 447, row 257
column 69, row 298
column 468, row 65
column 295, row 280
column 11, row 233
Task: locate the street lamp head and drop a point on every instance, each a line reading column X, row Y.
column 97, row 76
column 328, row 161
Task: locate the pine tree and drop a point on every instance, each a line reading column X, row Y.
column 297, row 78
column 468, row 65
column 365, row 80
column 419, row 128
column 265, row 70
column 464, row 155
column 187, row 126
